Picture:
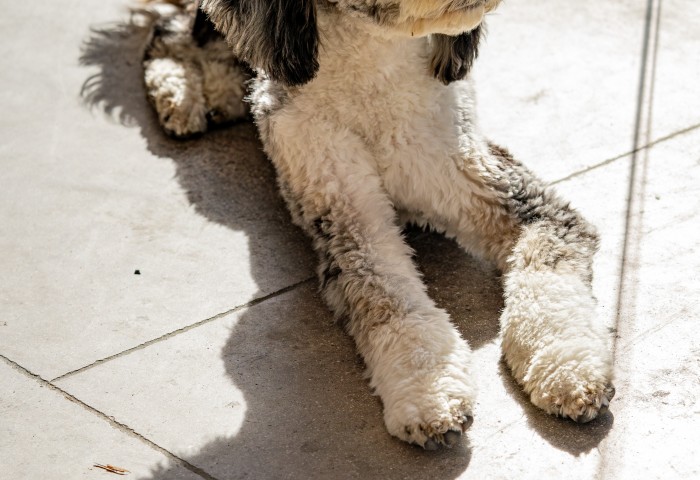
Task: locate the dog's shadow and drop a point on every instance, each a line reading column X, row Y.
column 309, row 410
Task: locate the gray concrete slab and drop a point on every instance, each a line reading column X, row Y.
column 561, row 84
column 88, row 199
column 92, row 191
column 282, row 367
column 657, row 432
column 43, row 434
column 276, row 391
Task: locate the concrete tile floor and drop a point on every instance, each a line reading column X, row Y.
column 220, row 361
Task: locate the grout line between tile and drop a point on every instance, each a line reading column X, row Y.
column 626, row 154
column 182, row 330
column 114, row 423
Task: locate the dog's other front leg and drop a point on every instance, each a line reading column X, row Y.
column 554, row 343
column 416, row 360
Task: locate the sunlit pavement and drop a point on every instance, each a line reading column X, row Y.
column 159, row 312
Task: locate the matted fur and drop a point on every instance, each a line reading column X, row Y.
column 374, row 131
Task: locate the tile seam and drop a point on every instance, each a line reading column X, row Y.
column 184, row 329
column 626, row 154
column 110, row 420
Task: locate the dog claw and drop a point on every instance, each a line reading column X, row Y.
column 583, row 418
column 605, row 403
column 452, row 437
column 586, row 417
column 430, row 445
column 610, row 392
column 215, row 117
column 181, row 136
column 467, row 421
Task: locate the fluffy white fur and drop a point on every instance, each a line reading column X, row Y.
column 191, row 86
column 373, row 141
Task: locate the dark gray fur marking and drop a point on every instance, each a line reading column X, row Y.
column 381, row 14
column 530, row 202
column 277, row 36
column 203, row 30
column 348, row 280
column 328, row 269
column 453, row 57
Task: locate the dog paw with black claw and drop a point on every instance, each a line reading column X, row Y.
column 450, row 438
column 444, row 431
column 581, row 400
column 594, row 407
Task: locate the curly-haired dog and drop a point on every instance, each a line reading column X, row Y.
column 364, row 109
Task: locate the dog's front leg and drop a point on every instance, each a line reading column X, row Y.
column 553, row 341
column 416, row 360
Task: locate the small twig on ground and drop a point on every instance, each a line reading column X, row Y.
column 112, row 469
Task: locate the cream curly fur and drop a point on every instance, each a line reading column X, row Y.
column 190, row 86
column 373, row 141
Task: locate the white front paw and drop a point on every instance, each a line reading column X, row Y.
column 570, row 380
column 555, row 346
column 425, row 382
column 429, row 418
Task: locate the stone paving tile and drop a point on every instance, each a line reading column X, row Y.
column 87, row 199
column 45, row 435
column 676, row 103
column 657, row 414
column 277, row 388
column 558, row 83
column 276, row 391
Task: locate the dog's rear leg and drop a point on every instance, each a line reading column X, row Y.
column 416, row 360
column 192, row 78
column 553, row 341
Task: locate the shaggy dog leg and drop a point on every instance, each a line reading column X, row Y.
column 416, row 360
column 192, row 84
column 553, row 342
column 350, row 142
column 493, row 206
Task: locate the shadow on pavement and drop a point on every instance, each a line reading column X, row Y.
column 309, row 410
column 561, row 433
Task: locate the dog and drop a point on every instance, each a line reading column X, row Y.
column 366, row 109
